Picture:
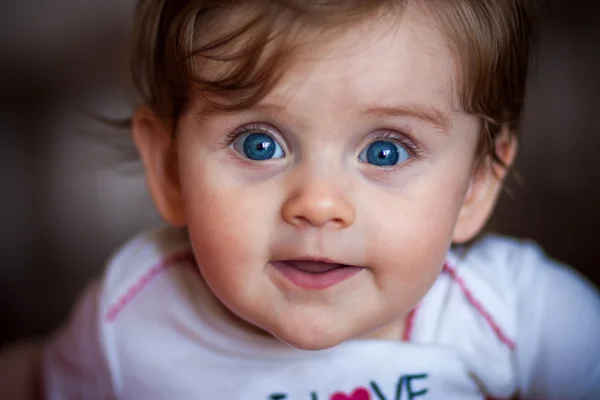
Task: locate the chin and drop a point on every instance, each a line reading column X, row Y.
column 311, row 338
column 310, row 344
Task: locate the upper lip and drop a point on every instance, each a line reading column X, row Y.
column 315, row 259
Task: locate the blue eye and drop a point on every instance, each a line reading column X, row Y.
column 384, row 153
column 258, row 147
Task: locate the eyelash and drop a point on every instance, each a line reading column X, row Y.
column 398, row 138
column 408, row 144
column 231, row 137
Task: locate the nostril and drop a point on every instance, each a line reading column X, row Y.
column 337, row 223
column 300, row 221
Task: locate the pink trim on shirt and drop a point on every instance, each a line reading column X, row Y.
column 176, row 259
column 479, row 307
column 410, row 323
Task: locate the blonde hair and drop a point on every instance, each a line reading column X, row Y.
column 174, row 38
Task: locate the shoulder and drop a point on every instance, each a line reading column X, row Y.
column 496, row 257
column 484, row 279
column 552, row 314
column 522, row 270
column 85, row 358
column 144, row 250
column 533, row 287
column 140, row 261
column 472, row 309
column 511, row 264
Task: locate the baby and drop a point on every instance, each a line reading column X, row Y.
column 326, row 169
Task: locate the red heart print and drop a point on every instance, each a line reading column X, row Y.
column 358, row 394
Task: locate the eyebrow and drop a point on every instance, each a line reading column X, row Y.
column 267, row 108
column 427, row 114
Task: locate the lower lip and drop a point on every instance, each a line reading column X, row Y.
column 311, row 280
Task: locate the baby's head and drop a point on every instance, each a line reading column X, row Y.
column 324, row 155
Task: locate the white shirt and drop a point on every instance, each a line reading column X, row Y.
column 502, row 320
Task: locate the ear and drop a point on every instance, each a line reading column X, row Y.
column 153, row 138
column 484, row 189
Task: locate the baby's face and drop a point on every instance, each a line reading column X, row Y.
column 325, row 212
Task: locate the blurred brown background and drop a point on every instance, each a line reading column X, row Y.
column 69, row 198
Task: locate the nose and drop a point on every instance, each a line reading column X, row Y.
column 318, row 205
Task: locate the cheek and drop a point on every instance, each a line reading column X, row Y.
column 412, row 231
column 227, row 221
column 228, row 237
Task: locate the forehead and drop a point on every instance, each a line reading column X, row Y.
column 385, row 61
column 397, row 55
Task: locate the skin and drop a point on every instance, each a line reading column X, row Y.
column 320, row 200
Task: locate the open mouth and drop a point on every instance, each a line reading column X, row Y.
column 310, row 274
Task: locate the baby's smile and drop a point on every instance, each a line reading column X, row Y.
column 315, row 273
